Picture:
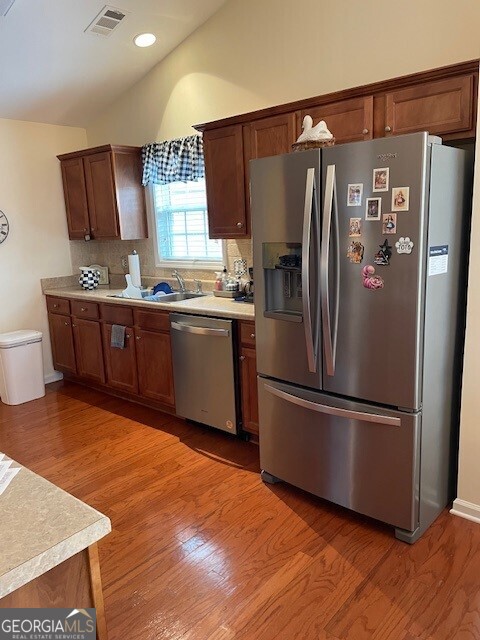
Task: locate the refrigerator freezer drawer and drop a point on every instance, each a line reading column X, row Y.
column 353, row 454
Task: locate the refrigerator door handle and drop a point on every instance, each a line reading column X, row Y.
column 306, row 241
column 329, row 345
column 334, row 411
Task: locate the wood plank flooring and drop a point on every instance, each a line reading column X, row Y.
column 201, row 549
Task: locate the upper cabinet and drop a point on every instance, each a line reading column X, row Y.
column 442, row 102
column 348, row 120
column 444, row 108
column 224, row 175
column 104, row 196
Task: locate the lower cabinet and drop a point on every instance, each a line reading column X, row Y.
column 120, row 364
column 143, row 369
column 61, row 337
column 154, row 362
column 88, row 349
column 248, row 377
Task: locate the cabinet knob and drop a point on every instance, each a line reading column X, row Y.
column 55, row 306
column 66, row 324
column 242, row 358
column 252, row 335
column 138, row 337
column 239, row 225
column 85, row 230
column 388, row 129
column 127, row 335
column 92, row 229
column 74, row 325
column 365, row 131
column 83, row 309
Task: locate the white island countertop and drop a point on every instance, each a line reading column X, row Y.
column 41, row 526
column 207, row 305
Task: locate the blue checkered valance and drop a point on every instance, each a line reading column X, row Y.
column 176, row 160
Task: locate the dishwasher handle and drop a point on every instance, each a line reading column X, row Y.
column 201, row 331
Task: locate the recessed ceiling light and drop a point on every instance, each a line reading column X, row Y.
column 144, row 39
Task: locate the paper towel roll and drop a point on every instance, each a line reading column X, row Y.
column 134, row 268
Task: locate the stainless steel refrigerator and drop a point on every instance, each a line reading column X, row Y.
column 359, row 268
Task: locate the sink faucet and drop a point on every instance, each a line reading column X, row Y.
column 180, row 280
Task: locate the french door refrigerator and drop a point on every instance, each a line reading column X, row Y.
column 359, row 267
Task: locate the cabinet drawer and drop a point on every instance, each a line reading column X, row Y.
column 247, row 333
column 85, row 310
column 116, row 315
column 153, row 320
column 58, row 305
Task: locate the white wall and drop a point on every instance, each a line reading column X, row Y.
column 31, row 196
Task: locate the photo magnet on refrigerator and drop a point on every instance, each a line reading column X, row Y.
column 383, row 256
column 354, row 194
column 404, row 245
column 389, row 223
column 355, row 228
column 370, row 279
column 355, row 252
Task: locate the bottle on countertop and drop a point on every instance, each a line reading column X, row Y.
column 218, row 286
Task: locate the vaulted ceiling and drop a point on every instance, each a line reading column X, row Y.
column 52, row 71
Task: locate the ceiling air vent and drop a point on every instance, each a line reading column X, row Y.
column 107, row 20
column 5, row 6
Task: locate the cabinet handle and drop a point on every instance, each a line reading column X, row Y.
column 242, row 358
column 252, row 335
column 365, row 131
column 239, row 225
column 388, row 129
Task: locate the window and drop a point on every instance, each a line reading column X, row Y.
column 181, row 226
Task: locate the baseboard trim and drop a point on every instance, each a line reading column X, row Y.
column 467, row 510
column 53, row 377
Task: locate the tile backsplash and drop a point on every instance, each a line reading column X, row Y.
column 110, row 252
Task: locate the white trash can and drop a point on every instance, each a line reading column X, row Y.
column 21, row 366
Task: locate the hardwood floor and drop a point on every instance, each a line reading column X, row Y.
column 201, row 549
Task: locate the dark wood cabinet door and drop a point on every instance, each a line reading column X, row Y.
column 224, row 175
column 348, row 120
column 154, row 362
column 88, row 349
column 440, row 107
column 61, row 336
column 101, row 194
column 120, row 364
column 248, row 362
column 272, row 136
column 75, row 193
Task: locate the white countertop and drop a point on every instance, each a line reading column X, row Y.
column 41, row 526
column 208, row 305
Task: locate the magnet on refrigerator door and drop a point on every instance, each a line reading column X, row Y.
column 382, row 257
column 381, row 179
column 373, row 208
column 370, row 279
column 354, row 194
column 355, row 252
column 400, row 198
column 389, row 225
column 404, row 245
column 355, row 228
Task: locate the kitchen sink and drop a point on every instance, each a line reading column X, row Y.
column 179, row 296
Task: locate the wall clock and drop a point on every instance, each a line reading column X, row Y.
column 4, row 228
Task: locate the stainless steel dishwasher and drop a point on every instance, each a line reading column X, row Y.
column 203, row 370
